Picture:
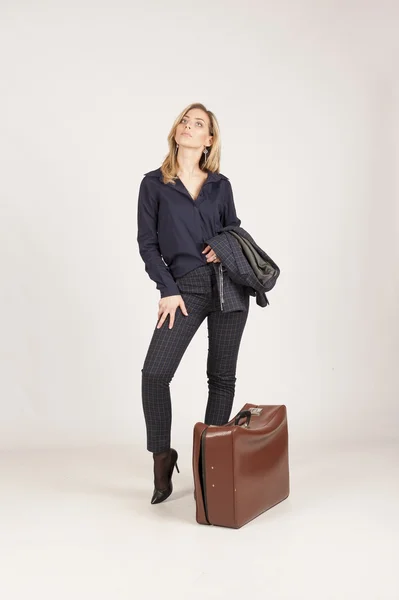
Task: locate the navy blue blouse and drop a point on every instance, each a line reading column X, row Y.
column 172, row 227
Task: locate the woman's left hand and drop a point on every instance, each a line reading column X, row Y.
column 211, row 256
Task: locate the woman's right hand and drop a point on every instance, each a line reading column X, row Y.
column 168, row 306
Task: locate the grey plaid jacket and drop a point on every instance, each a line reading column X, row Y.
column 245, row 269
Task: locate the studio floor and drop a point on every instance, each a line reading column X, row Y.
column 77, row 524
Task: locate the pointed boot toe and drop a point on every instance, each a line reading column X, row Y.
column 161, row 495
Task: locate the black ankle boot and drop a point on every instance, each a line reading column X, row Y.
column 164, row 463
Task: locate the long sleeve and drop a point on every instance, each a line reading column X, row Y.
column 147, row 238
column 229, row 213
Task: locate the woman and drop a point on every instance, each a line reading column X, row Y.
column 180, row 205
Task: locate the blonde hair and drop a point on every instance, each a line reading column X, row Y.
column 209, row 162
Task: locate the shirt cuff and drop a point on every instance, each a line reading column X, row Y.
column 171, row 290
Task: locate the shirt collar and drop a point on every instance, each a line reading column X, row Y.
column 212, row 176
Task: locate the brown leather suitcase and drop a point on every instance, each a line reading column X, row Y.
column 241, row 468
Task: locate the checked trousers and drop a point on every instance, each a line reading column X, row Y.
column 198, row 289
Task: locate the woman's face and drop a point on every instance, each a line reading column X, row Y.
column 193, row 130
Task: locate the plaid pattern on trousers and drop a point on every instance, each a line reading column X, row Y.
column 198, row 289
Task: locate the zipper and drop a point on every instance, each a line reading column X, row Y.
column 221, row 285
column 202, row 471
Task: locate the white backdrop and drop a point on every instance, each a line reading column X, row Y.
column 305, row 96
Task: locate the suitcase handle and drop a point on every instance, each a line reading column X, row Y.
column 241, row 415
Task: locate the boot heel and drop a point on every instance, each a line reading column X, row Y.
column 177, row 468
